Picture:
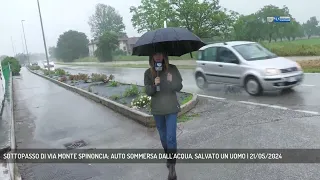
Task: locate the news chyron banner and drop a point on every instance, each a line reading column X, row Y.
column 158, row 156
column 279, row 19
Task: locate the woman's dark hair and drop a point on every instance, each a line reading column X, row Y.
column 165, row 62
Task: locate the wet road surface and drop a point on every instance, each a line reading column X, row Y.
column 303, row 98
column 182, row 62
column 48, row 116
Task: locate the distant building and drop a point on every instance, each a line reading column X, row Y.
column 125, row 44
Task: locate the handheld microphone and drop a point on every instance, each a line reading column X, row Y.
column 158, row 68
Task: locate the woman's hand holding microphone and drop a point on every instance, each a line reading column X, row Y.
column 157, row 79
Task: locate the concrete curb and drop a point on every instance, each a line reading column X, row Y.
column 13, row 167
column 138, row 116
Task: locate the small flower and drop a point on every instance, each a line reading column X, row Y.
column 143, row 102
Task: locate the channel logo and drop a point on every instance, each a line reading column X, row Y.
column 278, row 19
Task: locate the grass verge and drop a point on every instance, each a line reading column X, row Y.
column 310, row 66
column 138, row 58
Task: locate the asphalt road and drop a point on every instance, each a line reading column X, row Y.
column 181, row 62
column 48, row 116
column 303, row 98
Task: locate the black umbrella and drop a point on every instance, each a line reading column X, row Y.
column 172, row 41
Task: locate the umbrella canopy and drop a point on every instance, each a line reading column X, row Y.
column 172, row 41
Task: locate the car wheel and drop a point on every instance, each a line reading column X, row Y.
column 253, row 86
column 201, row 81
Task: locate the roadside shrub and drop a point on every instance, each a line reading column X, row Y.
column 111, row 77
column 141, row 102
column 74, row 77
column 60, row 72
column 47, row 72
column 63, row 79
column 143, row 90
column 71, row 77
column 14, row 65
column 131, row 91
column 114, row 84
column 83, row 77
column 34, row 68
column 114, row 97
column 98, row 77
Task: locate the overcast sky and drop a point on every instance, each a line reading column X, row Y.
column 63, row 15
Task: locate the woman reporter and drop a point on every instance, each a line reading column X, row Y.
column 164, row 104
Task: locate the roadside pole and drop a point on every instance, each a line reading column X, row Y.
column 43, row 36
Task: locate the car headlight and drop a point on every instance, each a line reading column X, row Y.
column 272, row 72
column 299, row 67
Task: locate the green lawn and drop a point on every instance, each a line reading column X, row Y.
column 311, row 41
column 137, row 58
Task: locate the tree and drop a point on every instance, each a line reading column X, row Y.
column 271, row 29
column 52, row 51
column 293, row 30
column 107, row 44
column 311, row 27
column 106, row 18
column 248, row 28
column 72, row 45
column 14, row 65
column 151, row 14
column 205, row 19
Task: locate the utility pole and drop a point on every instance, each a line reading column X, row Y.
column 43, row 36
column 23, row 48
column 13, row 49
column 25, row 41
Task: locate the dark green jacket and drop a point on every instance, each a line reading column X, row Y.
column 165, row 101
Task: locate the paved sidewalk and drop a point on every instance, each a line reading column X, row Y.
column 49, row 116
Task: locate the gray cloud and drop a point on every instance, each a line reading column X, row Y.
column 62, row 15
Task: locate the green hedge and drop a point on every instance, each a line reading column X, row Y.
column 14, row 65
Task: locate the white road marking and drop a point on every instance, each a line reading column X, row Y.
column 260, row 104
column 308, row 85
column 265, row 105
column 309, row 112
column 212, row 97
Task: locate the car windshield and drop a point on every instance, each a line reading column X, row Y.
column 254, row 51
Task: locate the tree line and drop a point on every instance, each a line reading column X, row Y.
column 207, row 19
